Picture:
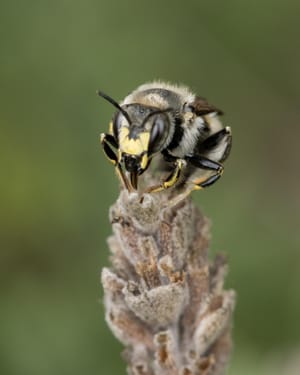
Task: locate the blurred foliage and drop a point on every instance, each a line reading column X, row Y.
column 57, row 187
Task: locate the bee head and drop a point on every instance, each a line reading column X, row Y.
column 142, row 137
column 139, row 131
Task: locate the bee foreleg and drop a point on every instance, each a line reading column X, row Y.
column 207, row 164
column 107, row 140
column 201, row 182
column 171, row 180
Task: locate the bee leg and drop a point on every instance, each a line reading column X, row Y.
column 207, row 164
column 199, row 183
column 181, row 196
column 218, row 143
column 107, row 140
column 171, row 179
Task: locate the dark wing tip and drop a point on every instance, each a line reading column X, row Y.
column 201, row 107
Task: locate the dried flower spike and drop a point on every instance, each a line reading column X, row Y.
column 163, row 299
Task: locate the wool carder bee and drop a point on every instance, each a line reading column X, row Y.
column 160, row 120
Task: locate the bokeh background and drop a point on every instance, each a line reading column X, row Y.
column 57, row 187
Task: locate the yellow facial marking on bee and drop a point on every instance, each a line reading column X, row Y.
column 133, row 146
column 144, row 138
column 144, row 161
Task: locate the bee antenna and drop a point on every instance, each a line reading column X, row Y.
column 115, row 104
column 157, row 112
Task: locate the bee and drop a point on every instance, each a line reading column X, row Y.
column 170, row 122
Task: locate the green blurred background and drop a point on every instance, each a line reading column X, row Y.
column 57, row 187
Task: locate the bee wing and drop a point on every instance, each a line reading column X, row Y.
column 201, row 107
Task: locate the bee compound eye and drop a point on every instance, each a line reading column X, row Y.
column 117, row 123
column 157, row 133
